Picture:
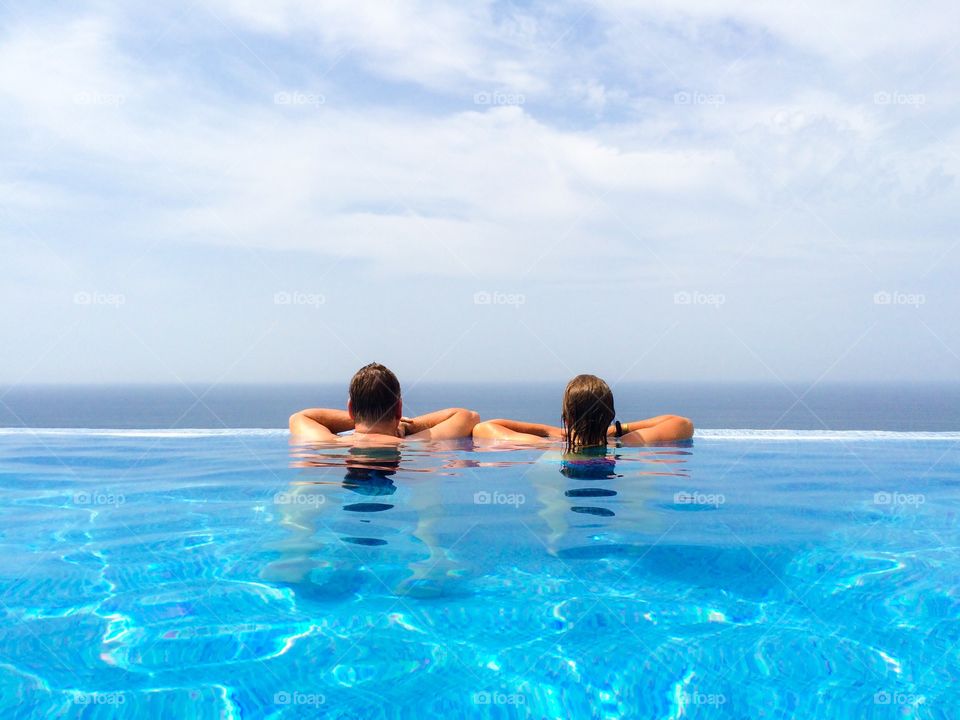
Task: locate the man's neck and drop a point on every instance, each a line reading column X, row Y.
column 383, row 428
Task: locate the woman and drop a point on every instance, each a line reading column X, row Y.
column 588, row 420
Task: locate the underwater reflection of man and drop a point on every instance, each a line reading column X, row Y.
column 429, row 567
column 308, row 512
column 369, row 473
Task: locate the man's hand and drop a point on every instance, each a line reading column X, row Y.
column 440, row 425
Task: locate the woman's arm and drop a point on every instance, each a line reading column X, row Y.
column 639, row 424
column 663, row 428
column 515, row 430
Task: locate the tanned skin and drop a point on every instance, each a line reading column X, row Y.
column 326, row 424
column 663, row 428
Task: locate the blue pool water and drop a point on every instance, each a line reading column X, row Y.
column 228, row 575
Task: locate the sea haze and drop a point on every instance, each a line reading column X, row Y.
column 827, row 406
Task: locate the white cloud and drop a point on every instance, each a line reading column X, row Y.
column 848, row 32
column 448, row 46
column 500, row 179
column 778, row 156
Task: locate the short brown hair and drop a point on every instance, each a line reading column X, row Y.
column 374, row 394
column 587, row 412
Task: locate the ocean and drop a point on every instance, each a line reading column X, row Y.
column 916, row 407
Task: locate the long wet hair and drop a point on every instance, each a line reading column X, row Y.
column 587, row 412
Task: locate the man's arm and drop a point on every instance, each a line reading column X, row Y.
column 663, row 428
column 516, row 431
column 441, row 425
column 319, row 423
column 418, row 424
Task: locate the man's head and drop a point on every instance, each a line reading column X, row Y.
column 374, row 396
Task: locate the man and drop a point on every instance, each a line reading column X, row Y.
column 375, row 414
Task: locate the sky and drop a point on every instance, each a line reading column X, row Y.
column 229, row 191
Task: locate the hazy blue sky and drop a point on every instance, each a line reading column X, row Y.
column 237, row 190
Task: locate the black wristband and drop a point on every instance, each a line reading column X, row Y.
column 619, row 428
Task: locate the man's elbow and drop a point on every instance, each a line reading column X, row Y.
column 685, row 428
column 470, row 418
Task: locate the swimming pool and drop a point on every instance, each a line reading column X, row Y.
column 206, row 574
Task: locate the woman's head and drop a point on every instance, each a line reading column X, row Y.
column 587, row 412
